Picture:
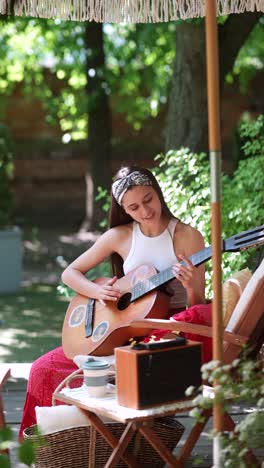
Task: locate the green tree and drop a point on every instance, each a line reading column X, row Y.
column 99, row 122
column 132, row 67
column 184, row 178
column 139, row 59
column 187, row 114
column 94, row 67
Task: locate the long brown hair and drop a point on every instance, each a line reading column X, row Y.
column 118, row 216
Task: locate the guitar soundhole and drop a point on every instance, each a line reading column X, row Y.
column 124, row 301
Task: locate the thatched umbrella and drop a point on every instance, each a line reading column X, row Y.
column 154, row 11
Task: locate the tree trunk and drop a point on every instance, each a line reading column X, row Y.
column 187, row 113
column 99, row 125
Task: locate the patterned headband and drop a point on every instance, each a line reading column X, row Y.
column 120, row 186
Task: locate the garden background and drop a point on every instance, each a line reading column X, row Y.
column 76, row 101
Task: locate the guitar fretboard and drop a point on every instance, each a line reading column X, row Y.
column 142, row 288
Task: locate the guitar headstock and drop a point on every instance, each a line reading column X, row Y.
column 242, row 241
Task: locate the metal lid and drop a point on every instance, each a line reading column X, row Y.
column 93, row 364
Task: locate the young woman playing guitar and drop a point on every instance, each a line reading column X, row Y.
column 142, row 231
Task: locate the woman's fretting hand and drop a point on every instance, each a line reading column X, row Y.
column 184, row 272
column 107, row 291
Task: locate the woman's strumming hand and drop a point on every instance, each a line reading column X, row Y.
column 107, row 291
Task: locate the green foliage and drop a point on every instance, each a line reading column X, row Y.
column 103, row 270
column 26, row 452
column 103, row 198
column 6, row 176
column 25, row 449
column 185, row 180
column 35, row 52
column 139, row 68
column 241, row 382
column 136, row 76
column 250, row 59
column 252, row 132
column 243, row 193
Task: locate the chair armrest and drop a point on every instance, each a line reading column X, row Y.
column 4, row 375
column 187, row 328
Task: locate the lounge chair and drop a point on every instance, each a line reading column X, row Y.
column 245, row 327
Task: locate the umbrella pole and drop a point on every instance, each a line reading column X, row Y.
column 215, row 165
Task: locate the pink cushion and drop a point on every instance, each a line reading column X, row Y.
column 200, row 314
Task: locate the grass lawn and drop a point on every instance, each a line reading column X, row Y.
column 30, row 322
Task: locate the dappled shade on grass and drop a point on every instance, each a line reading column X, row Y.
column 30, row 322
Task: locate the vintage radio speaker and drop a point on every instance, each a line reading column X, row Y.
column 147, row 377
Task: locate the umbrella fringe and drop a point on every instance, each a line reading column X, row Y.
column 124, row 11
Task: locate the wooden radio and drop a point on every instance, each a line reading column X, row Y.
column 156, row 373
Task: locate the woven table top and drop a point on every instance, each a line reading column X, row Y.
column 109, row 407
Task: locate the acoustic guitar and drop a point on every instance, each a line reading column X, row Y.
column 91, row 328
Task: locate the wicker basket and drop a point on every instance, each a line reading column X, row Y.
column 83, row 447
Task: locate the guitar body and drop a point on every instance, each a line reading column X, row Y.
column 111, row 322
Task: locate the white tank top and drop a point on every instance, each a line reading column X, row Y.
column 159, row 251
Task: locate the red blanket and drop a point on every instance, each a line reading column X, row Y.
column 49, row 370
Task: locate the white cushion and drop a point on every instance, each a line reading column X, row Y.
column 232, row 290
column 247, row 313
column 253, row 290
column 56, row 418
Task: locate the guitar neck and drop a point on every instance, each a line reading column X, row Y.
column 142, row 288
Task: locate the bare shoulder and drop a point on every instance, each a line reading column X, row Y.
column 119, row 238
column 187, row 239
column 120, row 232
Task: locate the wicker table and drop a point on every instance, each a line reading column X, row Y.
column 135, row 421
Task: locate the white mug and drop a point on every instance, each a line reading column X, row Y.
column 95, row 376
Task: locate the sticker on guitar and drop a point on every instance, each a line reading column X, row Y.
column 77, row 316
column 100, row 331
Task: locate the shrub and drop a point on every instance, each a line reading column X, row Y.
column 25, row 450
column 252, row 135
column 240, row 382
column 185, row 180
